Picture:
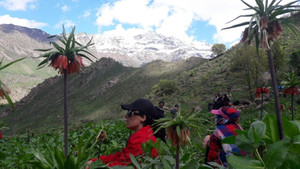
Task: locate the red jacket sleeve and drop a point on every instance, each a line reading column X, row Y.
column 133, row 147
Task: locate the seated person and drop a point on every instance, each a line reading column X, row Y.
column 226, row 119
column 139, row 118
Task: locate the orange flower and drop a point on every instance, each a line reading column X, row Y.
column 75, row 65
column 59, row 62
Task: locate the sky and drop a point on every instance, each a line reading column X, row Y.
column 188, row 20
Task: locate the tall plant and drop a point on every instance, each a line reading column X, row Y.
column 291, row 83
column 4, row 90
column 178, row 129
column 67, row 58
column 265, row 26
column 260, row 91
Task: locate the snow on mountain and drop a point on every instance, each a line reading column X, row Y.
column 137, row 50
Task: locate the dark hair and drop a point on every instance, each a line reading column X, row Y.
column 161, row 102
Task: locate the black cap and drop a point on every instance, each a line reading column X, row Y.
column 142, row 105
column 145, row 107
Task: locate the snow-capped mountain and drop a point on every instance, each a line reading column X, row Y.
column 130, row 50
column 140, row 49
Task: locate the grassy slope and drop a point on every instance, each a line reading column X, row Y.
column 94, row 94
column 22, row 76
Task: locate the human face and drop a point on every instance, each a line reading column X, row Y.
column 218, row 120
column 134, row 121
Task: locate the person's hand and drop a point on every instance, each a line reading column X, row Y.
column 88, row 164
column 205, row 141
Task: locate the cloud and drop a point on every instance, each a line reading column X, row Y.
column 175, row 17
column 66, row 23
column 65, row 8
column 87, row 13
column 7, row 19
column 15, row 5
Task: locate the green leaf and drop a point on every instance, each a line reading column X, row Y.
column 11, row 103
column 240, row 162
column 43, row 50
column 166, row 163
column 250, row 15
column 260, row 5
column 272, row 132
column 41, row 158
column 59, row 157
column 3, row 155
column 291, row 161
column 295, row 145
column 192, row 164
column 10, row 63
column 57, row 47
column 250, row 6
column 61, row 40
column 133, row 160
column 70, row 38
column 70, row 162
column 43, row 63
column 244, row 143
column 229, row 140
column 237, row 25
column 178, row 133
column 257, row 131
column 276, row 154
column 290, row 128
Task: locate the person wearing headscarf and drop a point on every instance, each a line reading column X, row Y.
column 226, row 119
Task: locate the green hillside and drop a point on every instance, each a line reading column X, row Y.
column 97, row 92
column 94, row 94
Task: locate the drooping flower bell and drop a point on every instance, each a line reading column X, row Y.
column 59, row 62
column 75, row 65
column 260, row 90
column 62, row 63
column 291, row 90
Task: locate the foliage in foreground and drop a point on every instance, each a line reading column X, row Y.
column 264, row 147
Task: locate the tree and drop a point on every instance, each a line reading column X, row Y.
column 278, row 57
column 265, row 26
column 218, row 48
column 295, row 62
column 67, row 59
column 165, row 87
column 245, row 64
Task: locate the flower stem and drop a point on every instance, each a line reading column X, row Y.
column 259, row 157
column 65, row 114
